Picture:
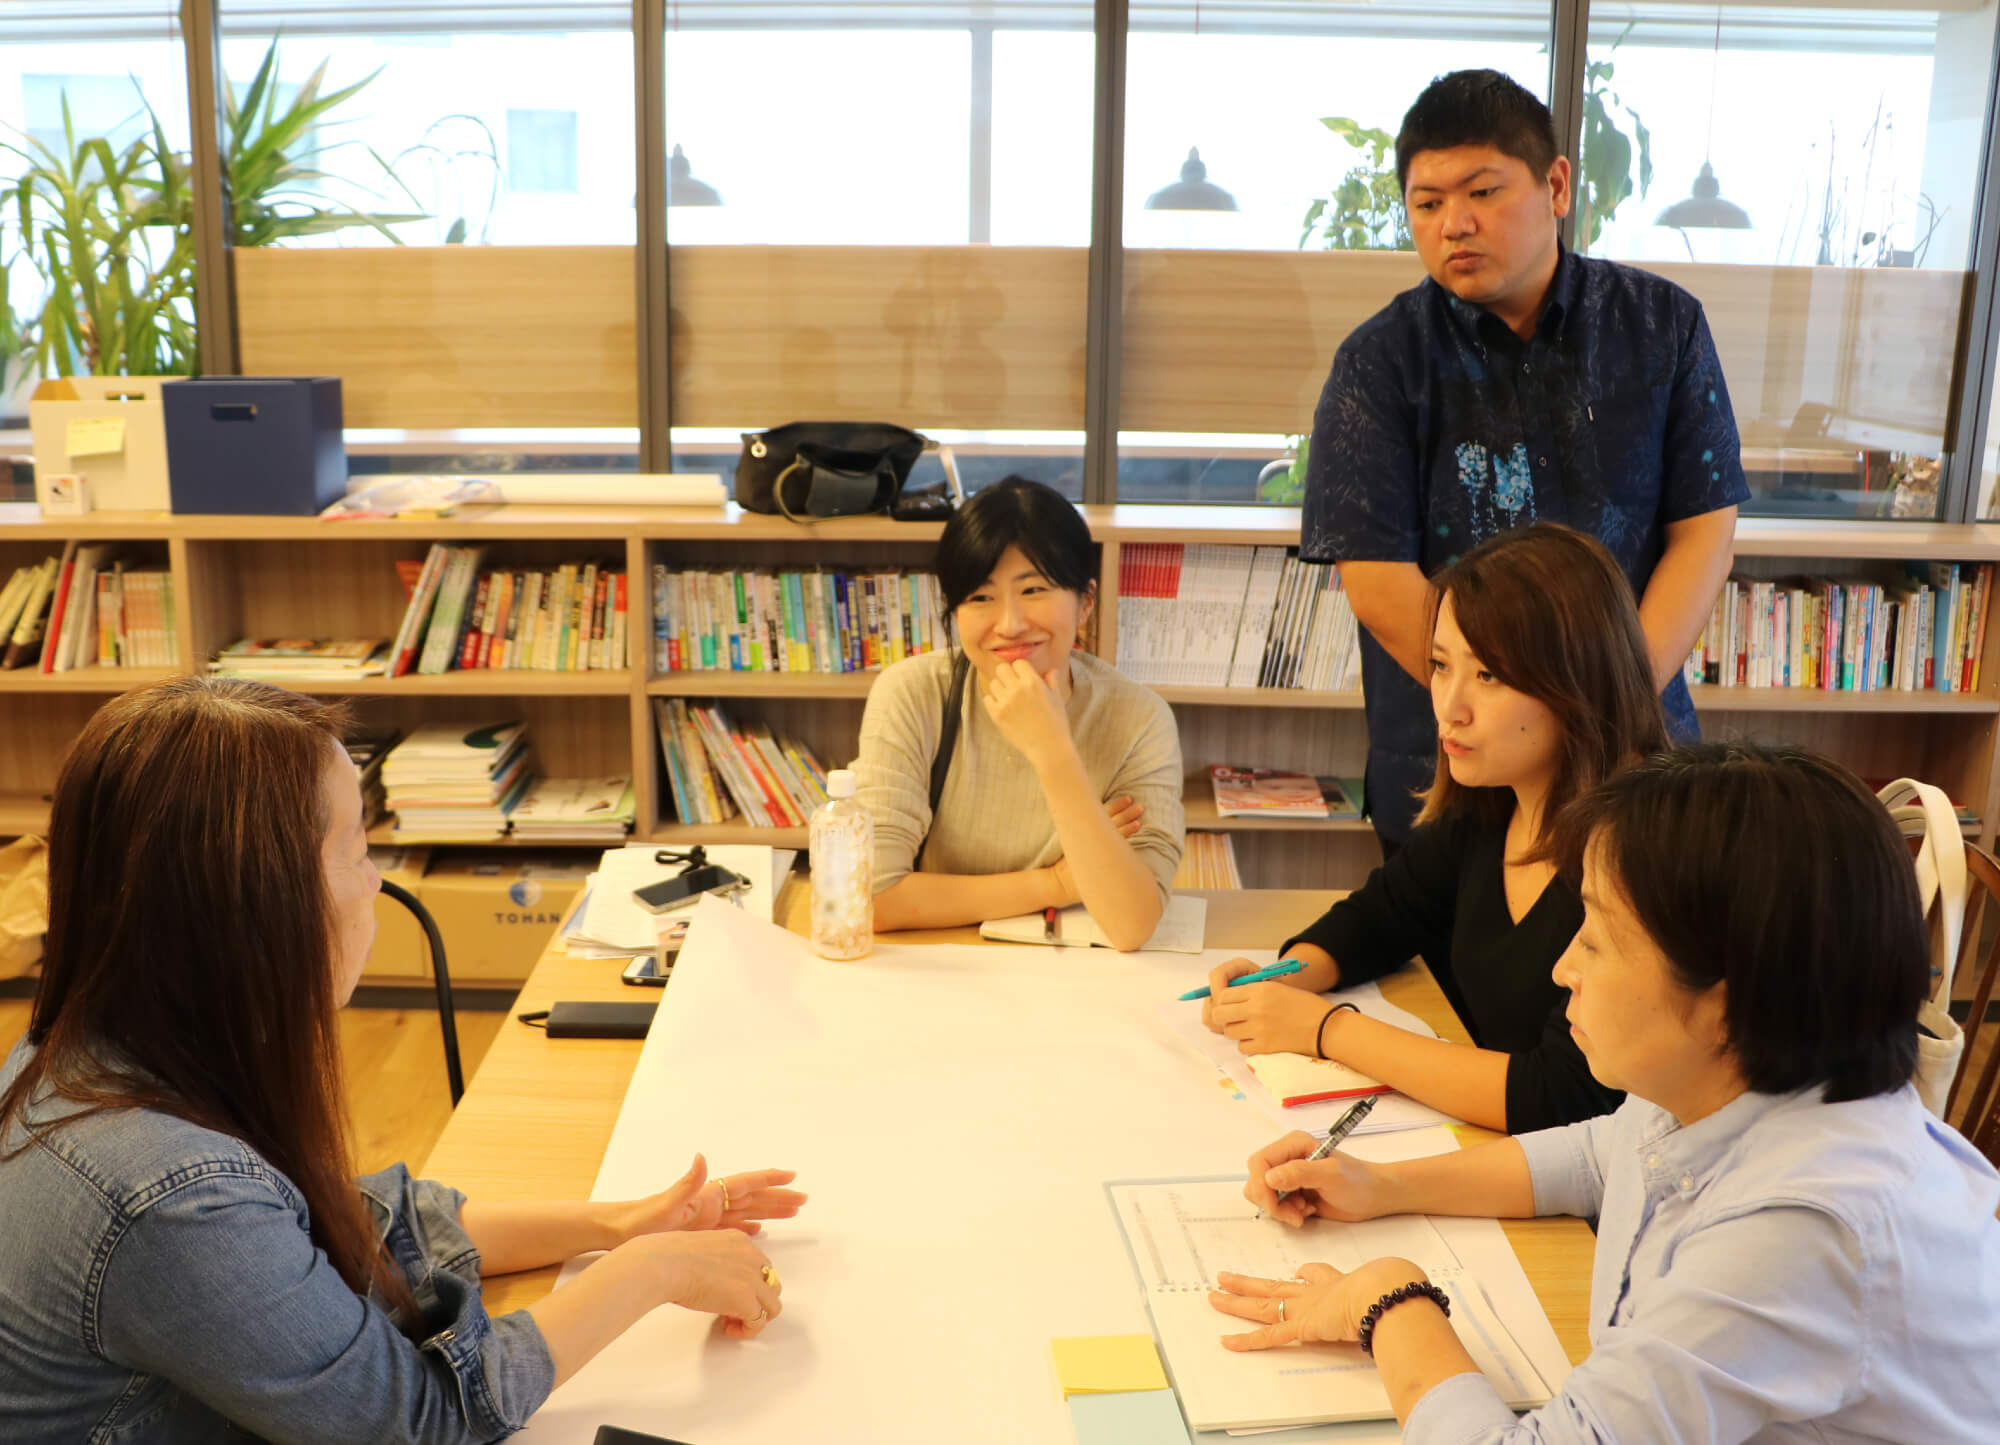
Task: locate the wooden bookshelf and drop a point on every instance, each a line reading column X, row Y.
column 294, row 576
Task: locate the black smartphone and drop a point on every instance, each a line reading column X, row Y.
column 618, row 1435
column 709, row 878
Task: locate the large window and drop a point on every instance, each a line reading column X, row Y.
column 442, row 212
column 1257, row 159
column 72, row 75
column 1811, row 173
column 881, row 217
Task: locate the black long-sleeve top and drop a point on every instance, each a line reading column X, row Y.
column 1444, row 896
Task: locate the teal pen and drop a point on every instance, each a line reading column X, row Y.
column 1277, row 970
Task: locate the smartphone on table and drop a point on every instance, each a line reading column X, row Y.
column 709, row 878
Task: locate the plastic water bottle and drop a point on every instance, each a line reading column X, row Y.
column 843, row 872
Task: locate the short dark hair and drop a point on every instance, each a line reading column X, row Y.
column 1477, row 107
column 1548, row 611
column 1775, row 872
column 1015, row 512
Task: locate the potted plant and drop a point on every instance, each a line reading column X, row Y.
column 111, row 233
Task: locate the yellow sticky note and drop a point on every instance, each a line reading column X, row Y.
column 95, row 436
column 1108, row 1364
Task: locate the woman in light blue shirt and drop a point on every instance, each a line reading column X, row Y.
column 1789, row 1248
column 187, row 1249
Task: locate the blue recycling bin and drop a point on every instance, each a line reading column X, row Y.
column 261, row 445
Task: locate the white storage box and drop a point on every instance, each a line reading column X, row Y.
column 109, row 428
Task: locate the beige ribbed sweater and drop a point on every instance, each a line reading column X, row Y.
column 992, row 817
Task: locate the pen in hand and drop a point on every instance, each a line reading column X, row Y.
column 1339, row 1131
column 1263, row 975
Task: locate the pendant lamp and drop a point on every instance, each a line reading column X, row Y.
column 1704, row 208
column 683, row 189
column 1193, row 191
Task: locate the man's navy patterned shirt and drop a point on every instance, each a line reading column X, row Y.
column 1439, row 428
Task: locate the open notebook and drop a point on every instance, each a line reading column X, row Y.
column 1183, row 1232
column 1296, row 1079
column 1179, row 930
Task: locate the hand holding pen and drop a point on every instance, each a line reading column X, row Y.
column 1298, row 1176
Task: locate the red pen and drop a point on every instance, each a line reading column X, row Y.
column 1049, row 934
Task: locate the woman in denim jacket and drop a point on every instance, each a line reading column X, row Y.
column 187, row 1250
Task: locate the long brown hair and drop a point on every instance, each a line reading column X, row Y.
column 190, row 956
column 1548, row 612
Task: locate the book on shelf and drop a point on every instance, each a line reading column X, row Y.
column 1196, row 614
column 461, row 616
column 574, row 810
column 716, row 768
column 1923, row 633
column 31, row 591
column 317, row 659
column 763, row 620
column 87, row 608
column 1208, row 860
column 1269, row 793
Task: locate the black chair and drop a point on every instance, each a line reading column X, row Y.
column 441, row 974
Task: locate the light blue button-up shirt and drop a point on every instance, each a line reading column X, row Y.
column 1784, row 1270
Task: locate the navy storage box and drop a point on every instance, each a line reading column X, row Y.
column 266, row 445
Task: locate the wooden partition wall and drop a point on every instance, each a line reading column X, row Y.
column 992, row 338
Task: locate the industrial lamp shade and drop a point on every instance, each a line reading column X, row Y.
column 1193, row 191
column 1705, row 209
column 683, row 189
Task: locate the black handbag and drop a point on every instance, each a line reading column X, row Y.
column 810, row 469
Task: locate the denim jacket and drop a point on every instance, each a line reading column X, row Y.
column 158, row 1284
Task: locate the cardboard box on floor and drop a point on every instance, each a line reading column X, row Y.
column 497, row 908
column 399, row 955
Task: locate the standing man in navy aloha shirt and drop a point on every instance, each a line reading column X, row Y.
column 1520, row 383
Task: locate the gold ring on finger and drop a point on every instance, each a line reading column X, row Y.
column 723, row 1185
column 770, row 1273
column 762, row 1315
column 1281, row 1310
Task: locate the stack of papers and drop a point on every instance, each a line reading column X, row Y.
column 609, row 924
column 449, row 783
column 574, row 810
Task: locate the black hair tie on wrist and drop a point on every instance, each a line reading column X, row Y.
column 1365, row 1335
column 1319, row 1034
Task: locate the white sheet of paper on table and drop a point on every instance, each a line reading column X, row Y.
column 614, row 921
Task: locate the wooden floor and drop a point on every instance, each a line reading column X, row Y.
column 396, row 1090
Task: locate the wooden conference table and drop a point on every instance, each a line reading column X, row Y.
column 537, row 1117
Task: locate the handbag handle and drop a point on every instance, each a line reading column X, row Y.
column 1921, row 810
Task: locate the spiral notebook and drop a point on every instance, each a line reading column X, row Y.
column 1183, row 1232
column 1295, row 1079
column 1179, row 930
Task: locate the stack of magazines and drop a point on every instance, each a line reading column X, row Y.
column 450, row 783
column 284, row 660
column 1266, row 793
column 574, row 810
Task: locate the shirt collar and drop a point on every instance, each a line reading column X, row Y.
column 1564, row 289
column 1679, row 1154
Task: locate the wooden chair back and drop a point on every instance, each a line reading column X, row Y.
column 1973, row 1105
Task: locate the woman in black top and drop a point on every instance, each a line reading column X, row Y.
column 1542, row 686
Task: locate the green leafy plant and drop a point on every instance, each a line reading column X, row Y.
column 1365, row 210
column 1605, row 156
column 111, row 233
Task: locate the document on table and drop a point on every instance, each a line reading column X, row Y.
column 1393, row 1112
column 1183, row 1233
column 1179, row 930
column 613, row 921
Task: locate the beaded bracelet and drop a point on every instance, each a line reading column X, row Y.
column 1319, row 1034
column 1365, row 1336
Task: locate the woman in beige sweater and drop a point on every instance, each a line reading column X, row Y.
column 1062, row 783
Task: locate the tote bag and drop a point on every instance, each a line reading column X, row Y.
column 1923, row 811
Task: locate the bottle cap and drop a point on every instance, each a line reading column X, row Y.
column 840, row 783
